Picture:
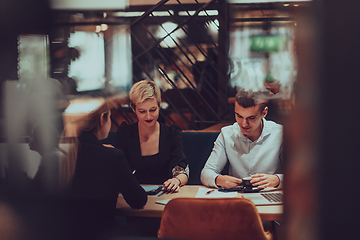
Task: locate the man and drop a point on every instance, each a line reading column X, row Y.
column 252, row 146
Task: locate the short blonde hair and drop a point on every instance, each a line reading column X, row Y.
column 142, row 91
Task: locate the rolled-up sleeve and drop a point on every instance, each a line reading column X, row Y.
column 177, row 157
column 215, row 163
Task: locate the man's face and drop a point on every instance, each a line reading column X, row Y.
column 249, row 120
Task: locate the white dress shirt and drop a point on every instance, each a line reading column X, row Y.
column 245, row 156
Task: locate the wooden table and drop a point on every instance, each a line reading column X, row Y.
column 152, row 209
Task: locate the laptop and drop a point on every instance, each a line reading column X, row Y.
column 265, row 198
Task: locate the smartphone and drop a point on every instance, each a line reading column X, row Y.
column 240, row 188
column 154, row 191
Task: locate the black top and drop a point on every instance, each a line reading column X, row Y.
column 171, row 152
column 101, row 173
column 151, row 163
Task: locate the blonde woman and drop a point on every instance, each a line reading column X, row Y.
column 154, row 151
column 95, row 174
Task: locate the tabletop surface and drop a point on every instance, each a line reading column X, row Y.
column 153, row 209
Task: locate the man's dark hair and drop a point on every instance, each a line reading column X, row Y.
column 249, row 98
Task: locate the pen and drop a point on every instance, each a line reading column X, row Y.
column 208, row 192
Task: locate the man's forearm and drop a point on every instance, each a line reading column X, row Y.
column 208, row 177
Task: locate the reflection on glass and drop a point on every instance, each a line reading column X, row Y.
column 105, row 57
column 89, row 69
column 255, row 55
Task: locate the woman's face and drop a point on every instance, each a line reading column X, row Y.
column 147, row 112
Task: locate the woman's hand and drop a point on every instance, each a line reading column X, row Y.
column 172, row 185
column 108, row 145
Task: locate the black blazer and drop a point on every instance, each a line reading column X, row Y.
column 171, row 152
column 100, row 174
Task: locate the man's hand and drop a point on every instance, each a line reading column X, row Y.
column 261, row 180
column 227, row 181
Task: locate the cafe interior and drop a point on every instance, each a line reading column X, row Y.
column 59, row 57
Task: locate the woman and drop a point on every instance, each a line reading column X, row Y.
column 154, row 151
column 95, row 174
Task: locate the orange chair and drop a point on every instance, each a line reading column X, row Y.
column 216, row 218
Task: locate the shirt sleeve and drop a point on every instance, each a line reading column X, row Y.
column 215, row 163
column 177, row 157
column 130, row 188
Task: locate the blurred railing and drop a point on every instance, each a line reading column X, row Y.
column 190, row 69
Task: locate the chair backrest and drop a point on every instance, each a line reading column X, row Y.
column 197, row 149
column 216, row 218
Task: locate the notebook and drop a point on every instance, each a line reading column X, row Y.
column 265, row 198
column 162, row 202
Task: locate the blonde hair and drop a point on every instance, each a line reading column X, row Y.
column 142, row 91
column 87, row 123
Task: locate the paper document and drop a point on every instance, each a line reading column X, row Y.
column 214, row 193
column 163, row 202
